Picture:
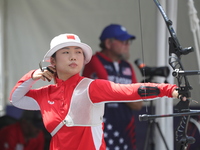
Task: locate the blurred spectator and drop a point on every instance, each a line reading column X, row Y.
column 25, row 134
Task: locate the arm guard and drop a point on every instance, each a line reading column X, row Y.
column 144, row 91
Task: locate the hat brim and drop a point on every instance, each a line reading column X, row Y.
column 86, row 50
column 125, row 37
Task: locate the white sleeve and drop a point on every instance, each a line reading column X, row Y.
column 18, row 98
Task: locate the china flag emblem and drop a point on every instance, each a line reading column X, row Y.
column 71, row 37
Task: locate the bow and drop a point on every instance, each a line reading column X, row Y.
column 184, row 87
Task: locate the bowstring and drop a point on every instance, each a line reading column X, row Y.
column 142, row 46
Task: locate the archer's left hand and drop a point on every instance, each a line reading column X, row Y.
column 175, row 94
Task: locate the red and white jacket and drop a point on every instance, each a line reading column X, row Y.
column 54, row 101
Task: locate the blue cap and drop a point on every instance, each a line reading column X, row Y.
column 116, row 31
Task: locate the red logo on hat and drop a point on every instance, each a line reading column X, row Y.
column 71, row 37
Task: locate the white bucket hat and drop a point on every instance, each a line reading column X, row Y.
column 65, row 40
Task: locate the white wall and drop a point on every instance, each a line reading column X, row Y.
column 31, row 24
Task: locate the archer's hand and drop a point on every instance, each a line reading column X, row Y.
column 175, row 94
column 45, row 74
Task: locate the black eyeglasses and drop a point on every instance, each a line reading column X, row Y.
column 127, row 42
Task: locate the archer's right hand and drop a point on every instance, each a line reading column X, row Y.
column 45, row 74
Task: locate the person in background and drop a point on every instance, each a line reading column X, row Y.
column 110, row 64
column 25, row 134
column 72, row 107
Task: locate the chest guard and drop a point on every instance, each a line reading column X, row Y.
column 82, row 111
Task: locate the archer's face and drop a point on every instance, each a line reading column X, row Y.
column 68, row 61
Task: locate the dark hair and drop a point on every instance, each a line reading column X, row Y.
column 54, row 55
column 102, row 45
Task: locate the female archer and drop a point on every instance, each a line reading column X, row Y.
column 72, row 108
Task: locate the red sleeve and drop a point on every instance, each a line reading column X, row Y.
column 95, row 69
column 106, row 91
